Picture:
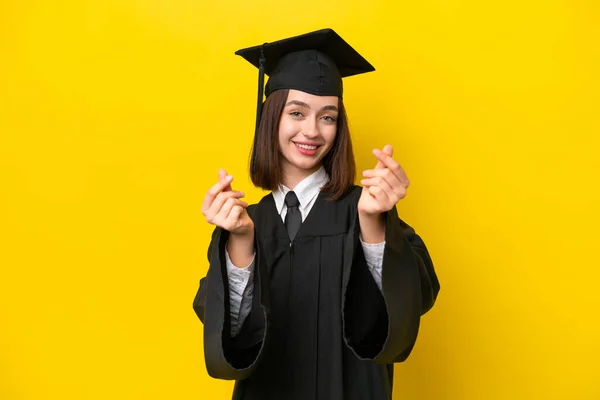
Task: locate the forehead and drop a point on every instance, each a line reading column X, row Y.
column 312, row 100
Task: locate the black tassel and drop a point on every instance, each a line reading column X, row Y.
column 259, row 105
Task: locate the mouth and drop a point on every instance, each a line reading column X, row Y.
column 307, row 146
column 307, row 149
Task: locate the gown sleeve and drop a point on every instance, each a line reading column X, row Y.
column 382, row 325
column 226, row 357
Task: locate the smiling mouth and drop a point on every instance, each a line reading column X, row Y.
column 306, row 146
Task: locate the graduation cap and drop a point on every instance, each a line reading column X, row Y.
column 314, row 63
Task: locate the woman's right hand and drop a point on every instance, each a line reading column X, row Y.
column 222, row 207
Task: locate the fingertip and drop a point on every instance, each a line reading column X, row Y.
column 389, row 149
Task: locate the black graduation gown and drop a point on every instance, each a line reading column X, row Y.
column 319, row 327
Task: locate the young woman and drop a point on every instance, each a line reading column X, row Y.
column 317, row 290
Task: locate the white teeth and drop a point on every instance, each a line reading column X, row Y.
column 306, row 147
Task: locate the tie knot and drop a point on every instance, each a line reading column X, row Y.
column 291, row 200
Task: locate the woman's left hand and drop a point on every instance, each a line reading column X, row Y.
column 384, row 185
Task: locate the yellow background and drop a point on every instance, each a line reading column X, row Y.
column 116, row 115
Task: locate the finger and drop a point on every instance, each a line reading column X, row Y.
column 226, row 209
column 384, row 173
column 214, row 191
column 222, row 197
column 220, row 185
column 219, row 200
column 380, row 182
column 387, row 149
column 392, row 164
column 379, row 165
column 395, row 190
column 223, row 213
column 379, row 195
column 222, row 175
column 233, row 219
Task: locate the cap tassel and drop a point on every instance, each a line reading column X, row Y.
column 259, row 105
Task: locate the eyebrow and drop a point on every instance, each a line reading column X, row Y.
column 303, row 104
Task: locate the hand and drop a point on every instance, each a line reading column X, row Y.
column 222, row 207
column 384, row 185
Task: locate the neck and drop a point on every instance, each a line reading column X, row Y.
column 293, row 175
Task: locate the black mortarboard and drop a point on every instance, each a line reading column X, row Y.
column 314, row 63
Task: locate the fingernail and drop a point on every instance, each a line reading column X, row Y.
column 229, row 178
column 377, row 152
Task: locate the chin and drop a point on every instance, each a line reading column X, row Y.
column 305, row 165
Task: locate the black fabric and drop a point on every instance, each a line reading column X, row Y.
column 313, row 62
column 293, row 218
column 319, row 327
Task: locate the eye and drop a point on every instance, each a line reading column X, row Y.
column 296, row 113
column 329, row 118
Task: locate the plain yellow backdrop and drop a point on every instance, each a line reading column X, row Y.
column 116, row 115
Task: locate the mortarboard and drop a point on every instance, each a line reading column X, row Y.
column 314, row 63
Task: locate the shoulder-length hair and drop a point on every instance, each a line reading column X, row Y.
column 338, row 162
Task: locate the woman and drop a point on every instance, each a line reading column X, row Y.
column 317, row 290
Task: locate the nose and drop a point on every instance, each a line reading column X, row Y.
column 311, row 128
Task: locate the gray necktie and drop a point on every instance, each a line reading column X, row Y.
column 293, row 218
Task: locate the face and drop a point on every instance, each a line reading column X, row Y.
column 307, row 130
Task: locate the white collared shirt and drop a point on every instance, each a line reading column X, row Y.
column 307, row 192
column 241, row 280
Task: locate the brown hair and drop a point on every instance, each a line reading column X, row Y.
column 338, row 162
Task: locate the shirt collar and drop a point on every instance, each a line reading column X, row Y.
column 306, row 190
